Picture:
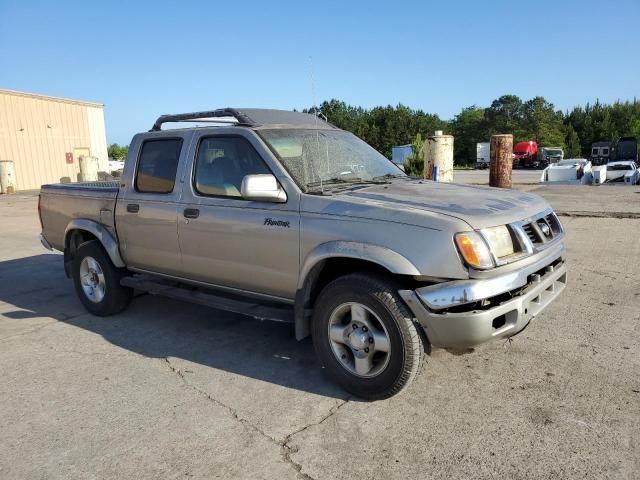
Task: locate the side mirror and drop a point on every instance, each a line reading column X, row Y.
column 262, row 188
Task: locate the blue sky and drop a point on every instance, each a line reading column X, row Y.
column 142, row 59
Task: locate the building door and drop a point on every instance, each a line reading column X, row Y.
column 77, row 153
column 81, row 152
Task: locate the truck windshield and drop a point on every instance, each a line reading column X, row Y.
column 321, row 158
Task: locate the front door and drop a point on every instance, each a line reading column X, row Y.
column 231, row 242
column 146, row 209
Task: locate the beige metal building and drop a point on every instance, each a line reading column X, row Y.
column 45, row 137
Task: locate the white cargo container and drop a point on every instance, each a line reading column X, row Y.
column 599, row 174
column 483, row 152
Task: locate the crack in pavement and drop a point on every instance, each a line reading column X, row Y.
column 232, row 411
column 285, row 449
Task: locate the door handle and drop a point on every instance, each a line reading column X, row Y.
column 191, row 213
column 133, row 208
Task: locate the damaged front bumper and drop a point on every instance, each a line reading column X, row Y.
column 465, row 313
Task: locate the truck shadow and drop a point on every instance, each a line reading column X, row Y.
column 159, row 328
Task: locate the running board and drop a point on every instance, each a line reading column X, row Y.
column 200, row 296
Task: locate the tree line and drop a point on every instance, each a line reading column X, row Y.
column 535, row 119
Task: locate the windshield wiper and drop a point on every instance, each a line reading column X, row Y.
column 388, row 176
column 333, row 180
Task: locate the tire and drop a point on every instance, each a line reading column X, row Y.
column 338, row 315
column 101, row 277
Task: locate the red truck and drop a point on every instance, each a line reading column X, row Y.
column 525, row 155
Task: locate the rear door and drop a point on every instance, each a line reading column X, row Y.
column 230, row 242
column 146, row 210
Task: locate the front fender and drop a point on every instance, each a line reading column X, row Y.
column 107, row 240
column 383, row 256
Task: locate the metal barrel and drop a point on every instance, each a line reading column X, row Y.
column 7, row 176
column 439, row 153
column 88, row 169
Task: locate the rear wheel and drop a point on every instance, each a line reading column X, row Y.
column 365, row 337
column 97, row 280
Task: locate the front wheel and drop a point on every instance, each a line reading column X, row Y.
column 365, row 336
column 97, row 280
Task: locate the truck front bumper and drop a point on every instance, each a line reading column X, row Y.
column 502, row 315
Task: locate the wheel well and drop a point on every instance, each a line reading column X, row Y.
column 73, row 240
column 337, row 267
column 324, row 273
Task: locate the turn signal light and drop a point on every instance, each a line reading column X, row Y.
column 474, row 250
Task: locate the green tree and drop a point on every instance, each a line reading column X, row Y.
column 573, row 148
column 505, row 115
column 468, row 127
column 542, row 123
column 381, row 127
column 414, row 163
column 117, row 152
column 635, row 128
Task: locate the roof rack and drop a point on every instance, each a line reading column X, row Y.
column 205, row 117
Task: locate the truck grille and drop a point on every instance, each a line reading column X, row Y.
column 554, row 223
column 542, row 229
column 531, row 233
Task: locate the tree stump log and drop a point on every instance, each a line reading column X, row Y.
column 501, row 161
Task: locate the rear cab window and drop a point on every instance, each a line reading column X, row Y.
column 157, row 165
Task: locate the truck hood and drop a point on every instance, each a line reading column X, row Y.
column 478, row 206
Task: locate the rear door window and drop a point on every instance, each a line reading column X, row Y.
column 157, row 166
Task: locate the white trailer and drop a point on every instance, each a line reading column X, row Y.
column 483, row 152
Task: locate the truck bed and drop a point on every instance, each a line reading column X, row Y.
column 62, row 202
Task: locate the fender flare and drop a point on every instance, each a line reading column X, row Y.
column 382, row 256
column 109, row 243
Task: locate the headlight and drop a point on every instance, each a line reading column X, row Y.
column 474, row 250
column 499, row 240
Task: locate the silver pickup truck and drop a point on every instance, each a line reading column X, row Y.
column 282, row 216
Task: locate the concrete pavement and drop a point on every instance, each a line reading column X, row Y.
column 173, row 390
